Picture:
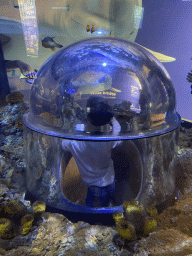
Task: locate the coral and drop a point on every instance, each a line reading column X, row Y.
column 136, row 221
column 14, row 97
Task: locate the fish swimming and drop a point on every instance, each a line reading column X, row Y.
column 93, row 82
column 48, row 42
column 29, row 78
column 189, row 77
column 91, row 28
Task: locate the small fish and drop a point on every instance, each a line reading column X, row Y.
column 93, row 82
column 189, row 77
column 91, row 28
column 29, row 77
column 88, row 28
column 48, row 42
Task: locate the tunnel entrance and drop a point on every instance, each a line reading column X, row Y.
column 128, row 174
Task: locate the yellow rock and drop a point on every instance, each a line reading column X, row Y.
column 117, row 216
column 15, row 209
column 134, row 212
column 26, row 223
column 6, row 229
column 152, row 211
column 132, row 205
column 39, row 206
column 150, row 226
column 126, row 230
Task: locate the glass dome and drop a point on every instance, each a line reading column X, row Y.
column 130, row 81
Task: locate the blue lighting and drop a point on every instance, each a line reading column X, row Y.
column 104, row 64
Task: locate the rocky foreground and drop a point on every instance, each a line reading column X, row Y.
column 53, row 234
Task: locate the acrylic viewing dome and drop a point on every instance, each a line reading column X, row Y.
column 130, row 79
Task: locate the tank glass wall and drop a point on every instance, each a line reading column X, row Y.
column 32, row 30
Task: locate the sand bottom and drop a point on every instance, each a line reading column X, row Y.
column 74, row 188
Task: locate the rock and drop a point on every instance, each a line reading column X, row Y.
column 149, row 226
column 38, row 206
column 26, row 224
column 136, row 221
column 14, row 97
column 151, row 211
column 56, row 235
column 134, row 212
column 19, row 123
column 14, row 210
column 6, row 228
column 117, row 216
column 184, row 174
column 164, row 242
column 126, row 230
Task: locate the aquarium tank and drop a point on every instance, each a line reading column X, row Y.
column 118, row 61
column 107, row 95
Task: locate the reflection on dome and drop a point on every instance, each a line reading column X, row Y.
column 130, row 79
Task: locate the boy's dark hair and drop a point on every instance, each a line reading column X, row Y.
column 98, row 111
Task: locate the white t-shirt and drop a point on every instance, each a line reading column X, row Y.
column 93, row 159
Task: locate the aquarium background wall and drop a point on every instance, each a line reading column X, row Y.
column 163, row 27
